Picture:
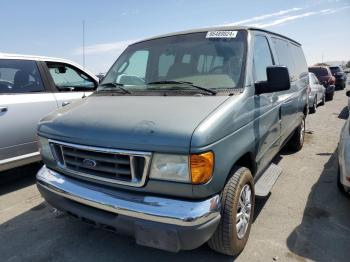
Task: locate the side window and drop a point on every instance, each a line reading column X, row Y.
column 315, row 80
column 19, row 76
column 262, row 58
column 285, row 56
column 299, row 60
column 69, row 78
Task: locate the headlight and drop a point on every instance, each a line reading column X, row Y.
column 45, row 149
column 170, row 167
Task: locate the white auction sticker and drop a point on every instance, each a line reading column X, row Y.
column 221, row 34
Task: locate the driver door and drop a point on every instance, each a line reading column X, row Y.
column 69, row 83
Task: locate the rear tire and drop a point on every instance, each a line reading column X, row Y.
column 296, row 142
column 329, row 97
column 323, row 100
column 314, row 106
column 235, row 209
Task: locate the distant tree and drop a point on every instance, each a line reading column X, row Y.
column 347, row 64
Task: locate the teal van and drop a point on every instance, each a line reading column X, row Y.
column 178, row 139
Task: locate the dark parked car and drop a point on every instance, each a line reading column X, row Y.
column 340, row 76
column 324, row 75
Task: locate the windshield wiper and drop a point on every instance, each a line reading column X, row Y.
column 166, row 82
column 120, row 86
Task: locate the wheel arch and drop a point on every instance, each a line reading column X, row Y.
column 246, row 160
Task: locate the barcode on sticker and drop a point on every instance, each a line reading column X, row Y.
column 221, row 34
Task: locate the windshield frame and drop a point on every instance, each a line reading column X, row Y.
column 239, row 85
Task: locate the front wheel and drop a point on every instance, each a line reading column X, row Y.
column 237, row 210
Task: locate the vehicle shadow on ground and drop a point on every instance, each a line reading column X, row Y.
column 18, row 178
column 45, row 234
column 344, row 113
column 324, row 233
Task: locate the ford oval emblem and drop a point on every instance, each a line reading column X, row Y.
column 89, row 163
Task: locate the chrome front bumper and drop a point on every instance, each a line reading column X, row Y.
column 184, row 213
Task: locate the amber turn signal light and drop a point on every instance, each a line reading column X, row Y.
column 201, row 167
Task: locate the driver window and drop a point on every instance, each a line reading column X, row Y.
column 68, row 78
column 19, row 76
column 262, row 58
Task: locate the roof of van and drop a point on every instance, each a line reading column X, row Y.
column 218, row 28
column 45, row 59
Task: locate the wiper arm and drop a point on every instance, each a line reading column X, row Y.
column 120, row 86
column 165, row 82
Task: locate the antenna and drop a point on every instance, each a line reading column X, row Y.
column 84, row 44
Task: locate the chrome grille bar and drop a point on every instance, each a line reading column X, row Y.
column 102, row 164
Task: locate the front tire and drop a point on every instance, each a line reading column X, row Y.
column 296, row 142
column 237, row 210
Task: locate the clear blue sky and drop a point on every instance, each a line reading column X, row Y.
column 54, row 28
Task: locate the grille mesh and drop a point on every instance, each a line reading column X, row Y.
column 102, row 164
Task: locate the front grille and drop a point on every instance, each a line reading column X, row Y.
column 104, row 164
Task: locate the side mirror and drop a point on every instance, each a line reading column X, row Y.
column 348, row 93
column 278, row 79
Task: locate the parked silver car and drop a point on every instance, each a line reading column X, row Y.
column 30, row 88
column 344, row 158
column 317, row 93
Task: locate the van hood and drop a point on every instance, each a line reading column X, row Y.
column 149, row 123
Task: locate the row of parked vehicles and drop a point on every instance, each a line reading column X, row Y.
column 177, row 140
column 324, row 80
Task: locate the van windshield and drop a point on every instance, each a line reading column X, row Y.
column 207, row 59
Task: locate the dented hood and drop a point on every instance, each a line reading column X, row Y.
column 149, row 123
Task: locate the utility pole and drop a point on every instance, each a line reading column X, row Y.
column 84, row 44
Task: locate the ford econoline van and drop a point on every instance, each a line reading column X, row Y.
column 178, row 139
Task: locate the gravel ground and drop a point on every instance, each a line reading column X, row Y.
column 304, row 218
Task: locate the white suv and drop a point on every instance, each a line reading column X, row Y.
column 30, row 88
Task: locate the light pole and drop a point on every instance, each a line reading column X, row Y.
column 84, row 44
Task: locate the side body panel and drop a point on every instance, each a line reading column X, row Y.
column 253, row 125
column 18, row 124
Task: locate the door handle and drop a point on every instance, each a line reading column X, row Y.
column 280, row 113
column 3, row 109
column 65, row 103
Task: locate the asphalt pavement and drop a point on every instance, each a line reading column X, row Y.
column 305, row 217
